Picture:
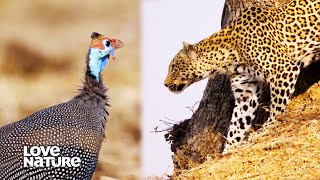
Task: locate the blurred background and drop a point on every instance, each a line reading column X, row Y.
column 43, row 45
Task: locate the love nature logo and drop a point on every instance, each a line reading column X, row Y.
column 47, row 156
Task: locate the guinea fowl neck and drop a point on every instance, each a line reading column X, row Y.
column 92, row 86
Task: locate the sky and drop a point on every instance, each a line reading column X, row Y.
column 165, row 25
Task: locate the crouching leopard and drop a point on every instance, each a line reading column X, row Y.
column 269, row 45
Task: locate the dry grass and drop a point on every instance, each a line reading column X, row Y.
column 42, row 54
column 289, row 150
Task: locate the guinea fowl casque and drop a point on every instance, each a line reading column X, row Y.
column 76, row 127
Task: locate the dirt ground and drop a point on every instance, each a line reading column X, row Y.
column 288, row 150
column 42, row 57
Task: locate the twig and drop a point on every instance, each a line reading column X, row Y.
column 191, row 108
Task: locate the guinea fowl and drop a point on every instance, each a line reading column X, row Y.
column 76, row 127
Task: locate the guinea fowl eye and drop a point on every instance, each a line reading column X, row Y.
column 107, row 43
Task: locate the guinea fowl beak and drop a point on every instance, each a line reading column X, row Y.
column 116, row 43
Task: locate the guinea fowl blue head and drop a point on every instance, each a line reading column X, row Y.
column 100, row 50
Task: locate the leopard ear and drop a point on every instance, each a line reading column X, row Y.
column 192, row 54
column 189, row 50
column 186, row 46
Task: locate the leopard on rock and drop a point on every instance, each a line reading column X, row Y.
column 261, row 45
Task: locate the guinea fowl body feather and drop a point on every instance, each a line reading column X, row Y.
column 76, row 127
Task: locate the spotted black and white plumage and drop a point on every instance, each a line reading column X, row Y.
column 76, row 127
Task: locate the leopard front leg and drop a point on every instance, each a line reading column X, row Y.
column 247, row 91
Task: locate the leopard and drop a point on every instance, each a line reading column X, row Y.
column 262, row 45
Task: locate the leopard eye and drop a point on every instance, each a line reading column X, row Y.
column 108, row 43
